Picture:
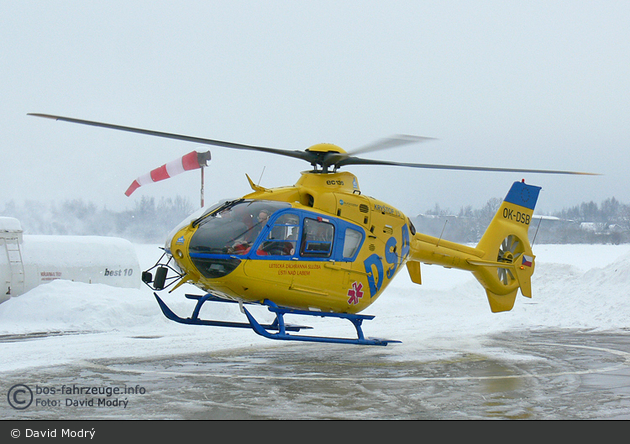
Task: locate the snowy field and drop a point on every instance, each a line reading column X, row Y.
column 583, row 287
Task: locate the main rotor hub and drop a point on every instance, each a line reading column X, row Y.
column 325, row 155
column 326, row 148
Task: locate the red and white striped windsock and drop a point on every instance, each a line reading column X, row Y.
column 190, row 161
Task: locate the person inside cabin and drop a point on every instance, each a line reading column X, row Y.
column 244, row 243
column 263, row 217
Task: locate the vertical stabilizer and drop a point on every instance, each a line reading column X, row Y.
column 508, row 262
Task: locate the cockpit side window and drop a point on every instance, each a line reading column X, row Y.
column 317, row 240
column 295, row 233
column 281, row 239
column 352, row 240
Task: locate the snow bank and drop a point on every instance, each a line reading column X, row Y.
column 574, row 287
column 29, row 261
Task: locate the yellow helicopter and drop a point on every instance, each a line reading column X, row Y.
column 322, row 248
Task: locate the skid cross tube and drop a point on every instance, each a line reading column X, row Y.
column 279, row 327
column 355, row 319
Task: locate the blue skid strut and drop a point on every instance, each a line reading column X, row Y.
column 280, row 328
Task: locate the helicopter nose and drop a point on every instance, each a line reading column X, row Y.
column 208, row 252
column 176, row 245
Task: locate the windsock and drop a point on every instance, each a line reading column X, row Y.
column 190, row 161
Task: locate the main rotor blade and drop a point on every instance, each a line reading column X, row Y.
column 390, row 142
column 295, row 154
column 326, row 160
column 360, row 161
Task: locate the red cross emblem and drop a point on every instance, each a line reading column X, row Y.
column 355, row 293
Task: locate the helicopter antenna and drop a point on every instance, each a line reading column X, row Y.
column 537, row 228
column 261, row 175
column 443, row 228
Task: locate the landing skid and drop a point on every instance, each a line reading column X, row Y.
column 279, row 327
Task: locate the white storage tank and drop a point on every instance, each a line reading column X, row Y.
column 27, row 261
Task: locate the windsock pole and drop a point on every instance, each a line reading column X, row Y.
column 202, row 186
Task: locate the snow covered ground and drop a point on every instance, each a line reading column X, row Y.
column 583, row 287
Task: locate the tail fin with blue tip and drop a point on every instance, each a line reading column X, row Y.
column 507, row 263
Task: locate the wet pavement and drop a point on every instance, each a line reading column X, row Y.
column 563, row 374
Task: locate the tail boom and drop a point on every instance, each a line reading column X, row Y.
column 502, row 261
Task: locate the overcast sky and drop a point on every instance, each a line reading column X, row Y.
column 525, row 84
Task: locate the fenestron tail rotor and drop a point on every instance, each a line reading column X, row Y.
column 509, row 251
column 322, row 160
